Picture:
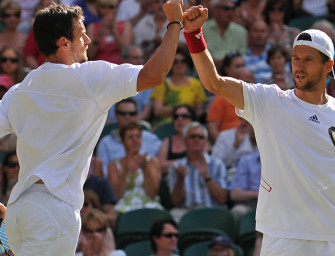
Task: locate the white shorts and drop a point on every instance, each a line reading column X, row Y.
column 296, row 247
column 38, row 223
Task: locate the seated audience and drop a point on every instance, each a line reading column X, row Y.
column 248, row 11
column 245, row 183
column 90, row 10
column 174, row 148
column 164, row 237
column 10, row 13
column 108, row 36
column 221, row 246
column 178, row 89
column 135, row 177
column 10, row 173
column 134, row 10
column 5, row 84
column 11, row 64
column 110, row 147
column 91, row 201
column 199, row 179
column 278, row 59
column 232, row 144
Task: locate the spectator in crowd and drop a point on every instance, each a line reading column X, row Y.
column 221, row 114
column 134, row 177
column 91, row 201
column 278, row 59
column 96, row 236
column 245, row 184
column 164, row 237
column 110, row 147
column 248, row 11
column 10, row 13
column 221, row 246
column 10, row 172
column 11, row 64
column 109, row 36
column 224, row 35
column 5, row 84
column 232, row 144
column 277, row 14
column 174, row 148
column 256, row 55
column 134, row 10
column 105, row 193
column 178, row 89
column 134, row 55
column 90, row 10
column 199, row 179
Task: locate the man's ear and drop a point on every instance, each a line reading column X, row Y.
column 62, row 42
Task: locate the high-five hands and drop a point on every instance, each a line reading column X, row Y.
column 194, row 18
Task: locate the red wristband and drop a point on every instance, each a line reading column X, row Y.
column 195, row 41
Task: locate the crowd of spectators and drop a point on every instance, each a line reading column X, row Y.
column 211, row 158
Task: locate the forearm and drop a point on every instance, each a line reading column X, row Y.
column 177, row 195
column 243, row 195
column 218, row 193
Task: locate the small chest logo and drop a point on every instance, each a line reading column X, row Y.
column 314, row 119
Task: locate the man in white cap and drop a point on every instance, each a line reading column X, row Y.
column 296, row 203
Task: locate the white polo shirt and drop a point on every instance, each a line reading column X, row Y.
column 58, row 112
column 297, row 192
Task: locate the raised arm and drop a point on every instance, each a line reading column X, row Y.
column 157, row 67
column 227, row 87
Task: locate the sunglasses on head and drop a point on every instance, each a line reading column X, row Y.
column 183, row 116
column 170, row 235
column 7, row 15
column 13, row 164
column 179, row 61
column 279, row 9
column 125, row 113
column 226, row 8
column 91, row 231
column 12, row 60
column 196, row 136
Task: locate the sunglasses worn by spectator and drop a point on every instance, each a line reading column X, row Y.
column 8, row 15
column 170, row 235
column 125, row 113
column 13, row 164
column 12, row 60
column 226, row 8
column 183, row 116
column 279, row 9
column 91, row 231
column 196, row 136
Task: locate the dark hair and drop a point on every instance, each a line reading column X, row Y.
column 186, row 54
column 270, row 3
column 157, row 228
column 5, row 162
column 278, row 48
column 227, row 60
column 127, row 100
column 190, row 110
column 54, row 22
column 129, row 126
column 19, row 73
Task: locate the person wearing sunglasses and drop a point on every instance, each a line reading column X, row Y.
column 198, row 179
column 222, row 33
column 111, row 147
column 11, row 64
column 178, row 88
column 10, row 14
column 135, row 177
column 164, row 237
column 174, row 147
column 10, row 173
column 248, row 11
column 277, row 14
column 109, row 36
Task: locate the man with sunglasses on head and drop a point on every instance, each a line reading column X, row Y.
column 110, row 147
column 296, row 202
column 58, row 112
column 222, row 34
column 199, row 179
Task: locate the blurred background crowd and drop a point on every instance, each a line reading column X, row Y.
column 176, row 148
